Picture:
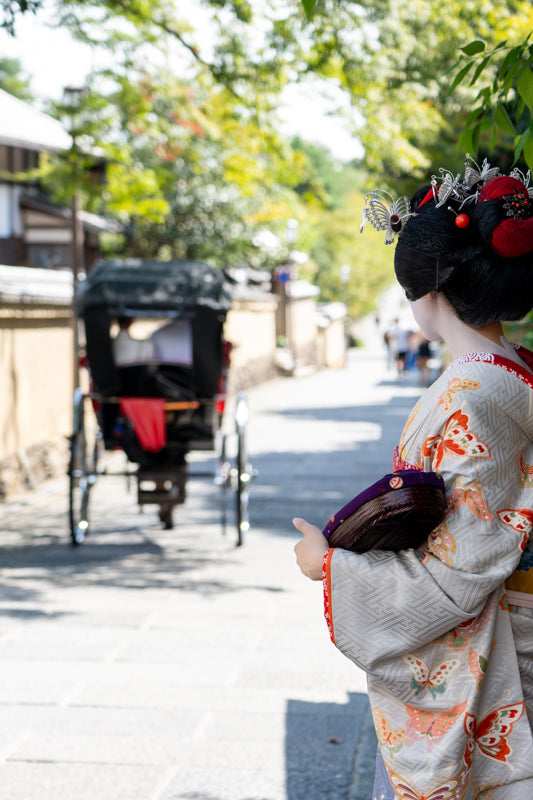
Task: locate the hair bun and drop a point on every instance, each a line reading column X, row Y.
column 513, row 236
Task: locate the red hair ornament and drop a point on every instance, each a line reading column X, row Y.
column 514, row 236
column 461, row 220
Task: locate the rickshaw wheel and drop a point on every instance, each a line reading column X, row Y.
column 243, row 470
column 223, row 479
column 82, row 472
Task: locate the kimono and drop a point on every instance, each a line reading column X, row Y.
column 445, row 632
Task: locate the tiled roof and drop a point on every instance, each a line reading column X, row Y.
column 24, row 126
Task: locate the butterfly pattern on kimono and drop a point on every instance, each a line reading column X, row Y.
column 478, row 666
column 450, row 789
column 520, row 520
column 471, row 495
column 492, row 732
column 432, row 679
column 447, row 398
column 442, row 544
column 392, row 738
column 457, row 440
column 433, row 725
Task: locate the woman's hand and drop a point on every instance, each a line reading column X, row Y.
column 311, row 550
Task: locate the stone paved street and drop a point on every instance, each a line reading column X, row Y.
column 170, row 665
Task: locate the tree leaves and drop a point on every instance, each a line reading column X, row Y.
column 309, row 6
column 474, row 48
column 503, row 120
column 524, row 85
column 506, row 101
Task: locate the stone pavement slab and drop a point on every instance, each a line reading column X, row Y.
column 170, row 665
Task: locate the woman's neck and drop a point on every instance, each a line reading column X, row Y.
column 462, row 339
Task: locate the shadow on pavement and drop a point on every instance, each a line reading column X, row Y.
column 126, row 549
column 314, row 483
column 319, row 756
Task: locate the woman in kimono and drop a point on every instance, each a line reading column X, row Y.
column 445, row 632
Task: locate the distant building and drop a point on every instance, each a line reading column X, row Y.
column 33, row 231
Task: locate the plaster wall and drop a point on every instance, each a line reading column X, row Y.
column 251, row 328
column 36, row 359
column 332, row 345
column 303, row 332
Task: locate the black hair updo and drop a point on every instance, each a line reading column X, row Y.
column 433, row 253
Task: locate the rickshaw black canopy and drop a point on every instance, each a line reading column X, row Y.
column 139, row 287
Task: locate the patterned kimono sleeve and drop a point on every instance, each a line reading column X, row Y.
column 381, row 605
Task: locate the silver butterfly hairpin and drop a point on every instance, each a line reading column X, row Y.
column 385, row 213
column 475, row 174
column 451, row 187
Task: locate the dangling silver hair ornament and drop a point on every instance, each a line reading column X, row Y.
column 451, row 187
column 519, row 175
column 385, row 213
column 475, row 174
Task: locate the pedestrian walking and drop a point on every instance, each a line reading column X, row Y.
column 397, row 338
column 445, row 631
column 423, row 354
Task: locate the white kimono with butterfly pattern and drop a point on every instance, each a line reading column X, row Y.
column 449, row 658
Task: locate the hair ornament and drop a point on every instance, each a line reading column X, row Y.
column 385, row 213
column 517, row 205
column 452, row 187
column 525, row 179
column 475, row 174
column 461, row 220
column 513, row 236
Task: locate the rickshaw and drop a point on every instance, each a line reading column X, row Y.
column 162, row 400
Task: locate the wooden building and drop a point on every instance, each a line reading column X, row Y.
column 33, row 231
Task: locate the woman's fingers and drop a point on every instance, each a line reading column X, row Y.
column 311, row 549
column 303, row 526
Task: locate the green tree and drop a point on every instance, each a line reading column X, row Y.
column 14, row 80
column 190, row 172
column 502, row 76
column 326, row 178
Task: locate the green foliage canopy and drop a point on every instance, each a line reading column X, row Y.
column 502, row 76
column 14, row 80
